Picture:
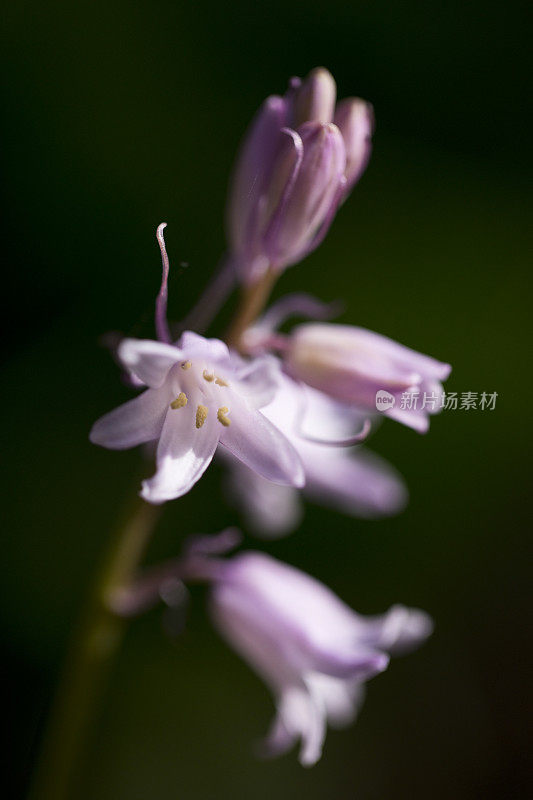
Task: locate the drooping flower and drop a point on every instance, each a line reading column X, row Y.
column 312, row 650
column 352, row 365
column 198, row 396
column 296, row 165
column 359, row 367
column 351, row 480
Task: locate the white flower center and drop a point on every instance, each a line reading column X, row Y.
column 198, row 381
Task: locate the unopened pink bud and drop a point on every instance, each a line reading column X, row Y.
column 292, row 173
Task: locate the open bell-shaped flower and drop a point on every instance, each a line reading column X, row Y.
column 198, row 396
column 297, row 163
column 312, row 650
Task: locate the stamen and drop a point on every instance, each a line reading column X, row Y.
column 180, row 401
column 208, row 376
column 222, row 418
column 201, row 415
column 186, row 365
column 221, row 382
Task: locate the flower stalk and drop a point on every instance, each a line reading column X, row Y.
column 98, row 639
column 253, row 300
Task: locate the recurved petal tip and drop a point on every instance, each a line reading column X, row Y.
column 398, row 631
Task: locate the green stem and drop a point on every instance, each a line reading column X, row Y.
column 253, row 300
column 96, row 642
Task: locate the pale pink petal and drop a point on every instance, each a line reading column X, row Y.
column 258, row 380
column 278, row 740
column 406, row 357
column 314, row 99
column 260, row 445
column 415, row 419
column 355, row 120
column 135, row 422
column 342, row 697
column 398, row 631
column 197, row 346
column 183, row 454
column 149, row 360
column 304, row 718
column 302, row 609
column 270, row 510
column 254, row 164
column 358, row 483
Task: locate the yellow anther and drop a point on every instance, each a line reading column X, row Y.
column 186, row 365
column 222, row 418
column 208, row 376
column 180, row 401
column 221, row 382
column 201, row 415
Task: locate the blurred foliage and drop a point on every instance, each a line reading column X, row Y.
column 119, row 115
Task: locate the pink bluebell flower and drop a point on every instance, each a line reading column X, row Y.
column 297, row 163
column 311, row 649
column 357, row 366
column 198, row 396
column 352, row 480
column 352, row 365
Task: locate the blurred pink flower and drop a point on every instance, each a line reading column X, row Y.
column 351, row 480
column 312, row 650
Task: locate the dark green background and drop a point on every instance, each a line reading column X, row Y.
column 120, row 115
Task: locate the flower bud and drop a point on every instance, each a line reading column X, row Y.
column 313, row 195
column 355, row 120
column 292, row 173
